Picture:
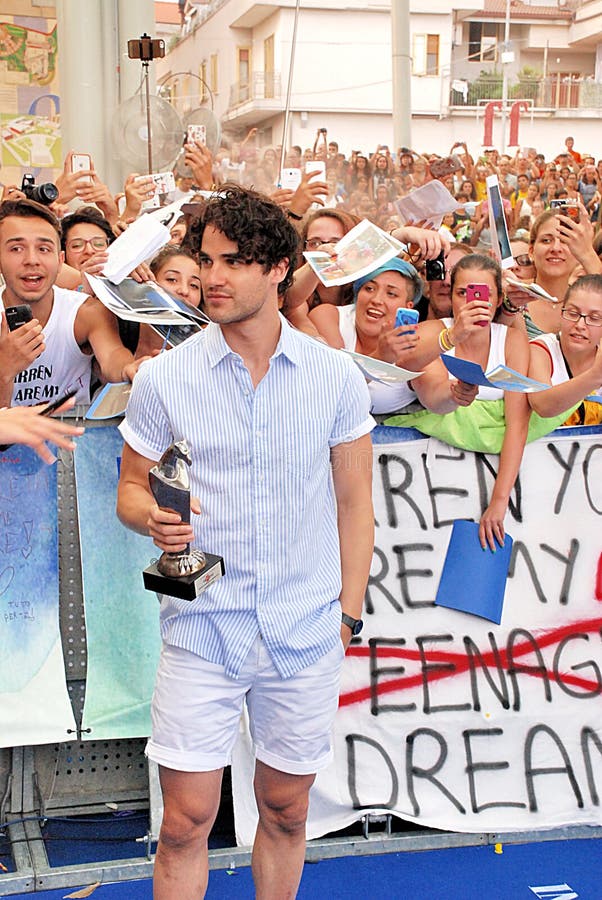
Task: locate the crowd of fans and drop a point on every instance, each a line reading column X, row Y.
column 555, row 247
column 367, row 184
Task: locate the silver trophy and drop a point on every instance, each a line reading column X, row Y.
column 187, row 573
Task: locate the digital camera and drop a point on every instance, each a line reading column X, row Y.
column 41, row 193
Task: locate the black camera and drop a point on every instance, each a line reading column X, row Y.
column 435, row 268
column 41, row 193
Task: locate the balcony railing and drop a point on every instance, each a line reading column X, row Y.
column 262, row 86
column 551, row 92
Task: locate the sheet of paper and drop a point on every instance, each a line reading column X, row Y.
column 361, row 251
column 378, row 370
column 138, row 242
column 428, row 203
column 473, row 580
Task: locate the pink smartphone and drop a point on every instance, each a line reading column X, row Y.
column 478, row 292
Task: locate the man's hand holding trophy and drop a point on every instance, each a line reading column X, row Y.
column 185, row 574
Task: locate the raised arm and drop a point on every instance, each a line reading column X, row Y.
column 561, row 397
column 18, row 349
column 325, row 318
column 578, row 237
column 97, row 327
column 305, row 281
column 440, row 394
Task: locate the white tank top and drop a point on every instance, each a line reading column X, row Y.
column 497, row 357
column 62, row 366
column 559, row 373
column 386, row 398
column 551, row 343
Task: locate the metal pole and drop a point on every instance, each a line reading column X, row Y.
column 83, row 128
column 401, row 60
column 289, row 87
column 505, row 77
column 135, row 18
column 149, row 137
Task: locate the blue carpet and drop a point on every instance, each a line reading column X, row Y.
column 466, row 873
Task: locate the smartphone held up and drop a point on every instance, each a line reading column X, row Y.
column 18, row 315
column 478, row 292
column 406, row 316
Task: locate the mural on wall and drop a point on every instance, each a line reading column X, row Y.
column 30, row 119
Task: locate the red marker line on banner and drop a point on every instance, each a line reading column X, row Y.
column 461, row 662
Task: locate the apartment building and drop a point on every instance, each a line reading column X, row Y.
column 235, row 56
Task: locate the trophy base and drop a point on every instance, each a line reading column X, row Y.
column 186, row 587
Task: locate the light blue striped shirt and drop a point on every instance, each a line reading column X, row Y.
column 261, row 470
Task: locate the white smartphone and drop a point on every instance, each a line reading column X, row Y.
column 290, row 179
column 318, row 167
column 82, row 162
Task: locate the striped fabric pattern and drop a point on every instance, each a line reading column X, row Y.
column 261, row 470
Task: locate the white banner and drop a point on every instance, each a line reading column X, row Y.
column 34, row 702
column 446, row 719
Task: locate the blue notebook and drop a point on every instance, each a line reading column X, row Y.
column 474, row 580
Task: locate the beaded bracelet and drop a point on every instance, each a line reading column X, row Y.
column 509, row 307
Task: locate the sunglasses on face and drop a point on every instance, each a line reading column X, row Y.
column 523, row 259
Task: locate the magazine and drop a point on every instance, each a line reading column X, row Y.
column 149, row 304
column 535, row 290
column 361, row 251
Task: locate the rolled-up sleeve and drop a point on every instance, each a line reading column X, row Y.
column 353, row 418
column 146, row 428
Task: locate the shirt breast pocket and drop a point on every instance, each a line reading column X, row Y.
column 305, row 449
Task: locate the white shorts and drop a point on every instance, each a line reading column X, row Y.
column 196, row 710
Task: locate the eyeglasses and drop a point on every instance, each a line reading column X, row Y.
column 97, row 243
column 573, row 315
column 523, row 259
column 314, row 243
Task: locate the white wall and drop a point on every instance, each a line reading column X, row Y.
column 343, row 58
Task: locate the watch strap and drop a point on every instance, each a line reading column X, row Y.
column 352, row 623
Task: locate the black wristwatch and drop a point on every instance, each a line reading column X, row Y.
column 356, row 625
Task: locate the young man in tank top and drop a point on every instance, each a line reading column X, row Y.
column 52, row 353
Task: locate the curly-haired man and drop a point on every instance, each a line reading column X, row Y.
column 278, row 427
